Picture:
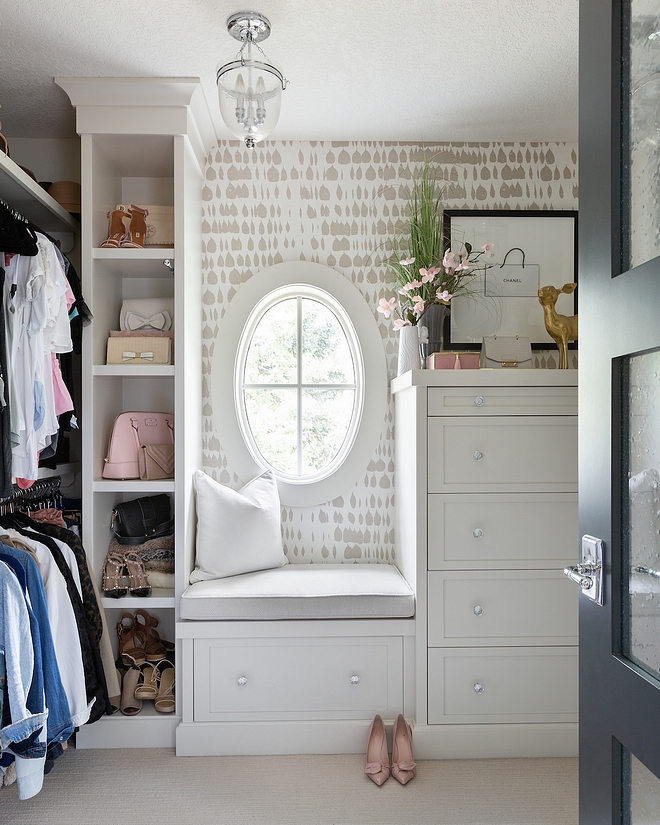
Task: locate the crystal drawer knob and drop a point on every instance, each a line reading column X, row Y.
column 478, row 610
column 355, row 680
column 477, row 455
column 478, row 533
column 478, row 687
column 242, row 681
column 479, row 401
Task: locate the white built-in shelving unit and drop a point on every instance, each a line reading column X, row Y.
column 144, row 142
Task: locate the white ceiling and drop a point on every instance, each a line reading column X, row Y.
column 403, row 70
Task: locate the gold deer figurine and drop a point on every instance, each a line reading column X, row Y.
column 562, row 328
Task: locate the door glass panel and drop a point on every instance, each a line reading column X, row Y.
column 641, row 513
column 641, row 792
column 641, row 131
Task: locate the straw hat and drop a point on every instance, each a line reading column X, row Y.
column 67, row 194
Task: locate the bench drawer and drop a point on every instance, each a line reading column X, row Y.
column 519, row 608
column 505, row 454
column 297, row 678
column 505, row 530
column 503, row 685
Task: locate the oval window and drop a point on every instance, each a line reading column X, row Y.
column 299, row 383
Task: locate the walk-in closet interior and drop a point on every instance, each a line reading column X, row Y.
column 174, row 574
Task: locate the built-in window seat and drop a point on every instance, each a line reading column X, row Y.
column 303, row 591
column 296, row 659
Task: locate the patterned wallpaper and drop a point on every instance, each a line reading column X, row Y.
column 335, row 203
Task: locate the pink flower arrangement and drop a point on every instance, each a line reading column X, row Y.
column 421, row 287
column 427, row 270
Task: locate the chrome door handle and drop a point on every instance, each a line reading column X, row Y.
column 589, row 573
column 582, row 574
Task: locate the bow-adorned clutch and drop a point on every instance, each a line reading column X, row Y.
column 147, row 314
column 139, row 350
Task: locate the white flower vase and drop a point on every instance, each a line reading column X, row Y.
column 408, row 349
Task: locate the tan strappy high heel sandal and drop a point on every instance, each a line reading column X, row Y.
column 155, row 648
column 131, row 641
column 137, row 231
column 117, row 230
column 165, row 702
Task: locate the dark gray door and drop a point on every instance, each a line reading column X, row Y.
column 619, row 351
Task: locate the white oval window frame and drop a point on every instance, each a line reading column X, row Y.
column 374, row 400
column 322, row 296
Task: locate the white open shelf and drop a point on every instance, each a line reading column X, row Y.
column 33, row 202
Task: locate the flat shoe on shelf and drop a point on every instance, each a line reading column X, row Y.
column 403, row 767
column 378, row 763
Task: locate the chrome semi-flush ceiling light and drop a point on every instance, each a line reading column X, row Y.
column 250, row 87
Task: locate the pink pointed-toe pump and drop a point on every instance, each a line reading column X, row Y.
column 378, row 763
column 403, row 767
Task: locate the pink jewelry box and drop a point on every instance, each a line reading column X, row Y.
column 453, row 361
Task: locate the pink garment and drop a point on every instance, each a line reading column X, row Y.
column 49, row 515
column 70, row 297
column 63, row 401
column 25, row 483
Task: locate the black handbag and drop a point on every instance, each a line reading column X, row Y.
column 136, row 521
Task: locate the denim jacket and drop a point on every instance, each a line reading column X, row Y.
column 60, row 725
column 16, row 641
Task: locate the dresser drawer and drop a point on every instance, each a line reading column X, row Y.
column 297, row 678
column 480, row 401
column 525, row 454
column 502, row 530
column 518, row 607
column 502, row 685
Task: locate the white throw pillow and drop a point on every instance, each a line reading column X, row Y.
column 237, row 531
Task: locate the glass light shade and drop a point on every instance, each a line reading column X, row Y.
column 250, row 95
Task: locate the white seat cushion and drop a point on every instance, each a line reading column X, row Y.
column 303, row 591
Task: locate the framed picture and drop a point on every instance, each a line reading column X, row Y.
column 531, row 249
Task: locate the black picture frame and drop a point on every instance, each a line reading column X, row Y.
column 550, row 244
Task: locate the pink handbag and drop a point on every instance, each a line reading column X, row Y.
column 130, row 432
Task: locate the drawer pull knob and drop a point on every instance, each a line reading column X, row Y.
column 478, row 610
column 478, row 687
column 477, row 455
column 479, row 401
column 241, row 681
column 478, row 533
column 355, row 680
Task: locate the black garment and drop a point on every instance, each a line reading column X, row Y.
column 89, row 595
column 6, row 488
column 95, row 684
column 15, row 235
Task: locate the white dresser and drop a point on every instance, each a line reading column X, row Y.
column 486, row 493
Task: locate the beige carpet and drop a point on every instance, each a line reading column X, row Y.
column 153, row 787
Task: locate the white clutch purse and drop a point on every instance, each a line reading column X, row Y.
column 147, row 313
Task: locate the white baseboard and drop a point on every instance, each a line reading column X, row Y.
column 495, row 741
column 264, row 738
column 118, row 731
column 430, row 742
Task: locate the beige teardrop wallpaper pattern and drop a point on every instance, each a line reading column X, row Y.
column 335, row 203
